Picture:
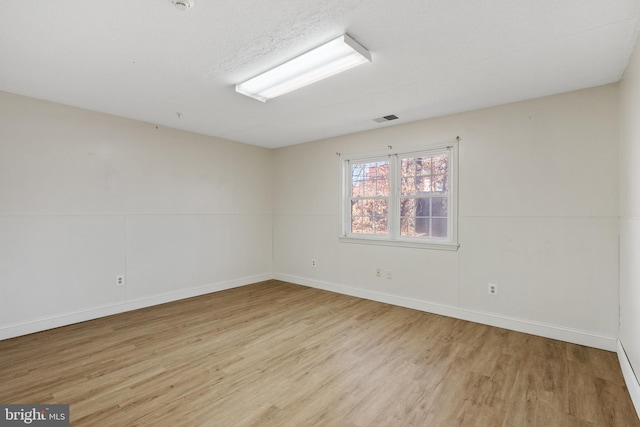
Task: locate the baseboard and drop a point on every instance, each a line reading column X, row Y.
column 630, row 378
column 38, row 325
column 521, row 325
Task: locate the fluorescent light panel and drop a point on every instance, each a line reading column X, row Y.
column 333, row 57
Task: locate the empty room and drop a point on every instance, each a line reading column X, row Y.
column 337, row 213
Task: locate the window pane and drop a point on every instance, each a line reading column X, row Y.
column 439, row 206
column 357, row 172
column 381, row 207
column 382, row 187
column 356, row 225
column 422, row 226
column 356, row 208
column 423, row 207
column 423, row 166
column 407, row 207
column 380, row 225
column 365, row 225
column 408, row 185
column 357, row 189
column 414, row 226
column 439, row 227
column 407, row 167
column 439, row 184
column 440, row 164
column 407, row 226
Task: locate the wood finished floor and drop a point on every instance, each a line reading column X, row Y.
column 277, row 354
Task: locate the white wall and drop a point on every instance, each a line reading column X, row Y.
column 630, row 223
column 85, row 197
column 538, row 215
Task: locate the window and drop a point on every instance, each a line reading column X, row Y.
column 406, row 199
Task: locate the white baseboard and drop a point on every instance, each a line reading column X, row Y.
column 521, row 325
column 630, row 378
column 11, row 331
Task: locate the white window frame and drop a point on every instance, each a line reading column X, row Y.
column 393, row 238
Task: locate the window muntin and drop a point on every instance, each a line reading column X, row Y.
column 402, row 198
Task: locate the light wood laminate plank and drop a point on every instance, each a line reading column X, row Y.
column 278, row 354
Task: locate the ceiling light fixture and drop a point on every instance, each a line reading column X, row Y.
column 333, row 57
column 182, row 4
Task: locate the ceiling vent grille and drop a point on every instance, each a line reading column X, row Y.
column 182, row 4
column 386, row 118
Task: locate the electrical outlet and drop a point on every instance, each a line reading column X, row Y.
column 378, row 272
column 120, row 281
column 492, row 289
column 313, row 263
column 389, row 274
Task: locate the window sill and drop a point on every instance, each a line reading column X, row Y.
column 401, row 243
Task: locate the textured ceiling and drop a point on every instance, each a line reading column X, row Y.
column 145, row 60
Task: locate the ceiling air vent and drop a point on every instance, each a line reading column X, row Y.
column 182, row 4
column 385, row 118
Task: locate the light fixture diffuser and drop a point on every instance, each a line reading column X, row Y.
column 333, row 57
